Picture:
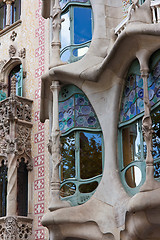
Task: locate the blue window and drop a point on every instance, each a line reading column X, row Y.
column 76, row 31
column 82, row 146
column 18, row 73
column 132, row 147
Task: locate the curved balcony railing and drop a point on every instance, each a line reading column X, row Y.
column 155, row 7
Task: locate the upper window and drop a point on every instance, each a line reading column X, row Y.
column 18, row 73
column 132, row 147
column 2, row 15
column 82, row 146
column 76, row 31
column 15, row 13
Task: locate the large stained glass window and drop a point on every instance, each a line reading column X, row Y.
column 132, row 147
column 76, row 31
column 82, row 146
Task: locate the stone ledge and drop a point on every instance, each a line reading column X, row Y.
column 11, row 27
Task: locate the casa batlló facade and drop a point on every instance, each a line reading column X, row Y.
column 79, row 117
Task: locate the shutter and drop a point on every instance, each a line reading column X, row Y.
column 19, row 85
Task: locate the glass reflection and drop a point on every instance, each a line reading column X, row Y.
column 90, row 155
column 88, row 187
column 65, row 31
column 82, row 25
column 79, row 52
column 68, row 157
column 156, row 134
column 131, row 143
column 67, row 189
column 133, row 176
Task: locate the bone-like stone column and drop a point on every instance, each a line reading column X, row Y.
column 8, row 3
column 56, row 44
column 150, row 182
column 54, row 149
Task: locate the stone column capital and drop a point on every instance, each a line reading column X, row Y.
column 8, row 1
column 55, row 86
column 144, row 72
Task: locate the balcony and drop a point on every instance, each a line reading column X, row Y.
column 155, row 16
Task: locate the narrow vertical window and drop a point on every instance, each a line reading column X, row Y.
column 3, row 189
column 76, row 31
column 22, row 189
column 18, row 73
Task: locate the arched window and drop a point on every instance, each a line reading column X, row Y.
column 22, row 189
column 18, row 73
column 82, row 146
column 132, row 148
column 3, row 189
column 76, row 31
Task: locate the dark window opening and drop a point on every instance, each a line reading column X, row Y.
column 22, row 189
column 3, row 189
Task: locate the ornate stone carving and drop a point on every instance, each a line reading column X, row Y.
column 15, row 141
column 12, row 51
column 150, row 182
column 2, row 62
column 10, row 228
column 23, row 140
column 15, row 228
column 22, row 53
column 56, row 44
column 54, row 149
column 13, row 36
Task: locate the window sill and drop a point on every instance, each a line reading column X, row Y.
column 9, row 28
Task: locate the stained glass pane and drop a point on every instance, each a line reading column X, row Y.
column 90, row 155
column 77, row 112
column 66, row 115
column 132, row 100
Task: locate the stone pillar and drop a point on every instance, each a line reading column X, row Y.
column 54, row 149
column 8, row 3
column 56, row 44
column 150, row 182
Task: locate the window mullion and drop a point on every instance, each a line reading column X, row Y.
column 77, row 155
